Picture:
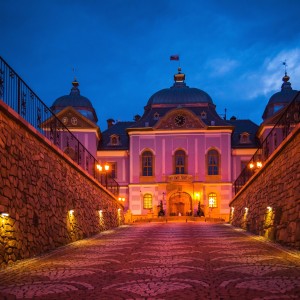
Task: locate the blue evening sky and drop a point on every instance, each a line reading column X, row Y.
column 232, row 49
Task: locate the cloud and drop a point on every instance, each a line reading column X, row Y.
column 268, row 78
column 221, row 66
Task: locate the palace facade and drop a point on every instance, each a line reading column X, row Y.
column 180, row 157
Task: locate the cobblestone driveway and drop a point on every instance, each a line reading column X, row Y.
column 159, row 261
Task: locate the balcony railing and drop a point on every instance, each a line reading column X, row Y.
column 287, row 121
column 20, row 97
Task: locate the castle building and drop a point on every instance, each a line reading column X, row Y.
column 180, row 157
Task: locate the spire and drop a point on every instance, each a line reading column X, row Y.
column 179, row 77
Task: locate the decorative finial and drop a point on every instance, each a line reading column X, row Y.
column 75, row 83
column 285, row 78
column 180, row 77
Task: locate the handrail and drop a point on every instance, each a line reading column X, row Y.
column 21, row 98
column 289, row 118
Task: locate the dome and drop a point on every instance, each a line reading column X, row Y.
column 74, row 99
column 280, row 99
column 179, row 93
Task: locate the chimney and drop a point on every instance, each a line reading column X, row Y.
column 137, row 118
column 110, row 122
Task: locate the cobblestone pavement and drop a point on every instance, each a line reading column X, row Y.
column 159, row 261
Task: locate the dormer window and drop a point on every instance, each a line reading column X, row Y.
column 156, row 116
column 203, row 115
column 245, row 138
column 114, row 140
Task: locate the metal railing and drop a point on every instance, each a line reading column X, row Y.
column 288, row 119
column 20, row 97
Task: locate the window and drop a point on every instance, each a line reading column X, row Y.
column 244, row 165
column 278, row 107
column 113, row 169
column 156, row 116
column 212, row 200
column 203, row 115
column 244, row 138
column 213, row 162
column 180, row 162
column 147, row 163
column 114, row 140
column 147, row 201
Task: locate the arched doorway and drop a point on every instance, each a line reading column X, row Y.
column 180, row 203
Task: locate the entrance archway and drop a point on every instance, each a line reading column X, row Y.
column 180, row 203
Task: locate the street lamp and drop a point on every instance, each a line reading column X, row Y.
column 100, row 169
column 106, row 168
column 255, row 165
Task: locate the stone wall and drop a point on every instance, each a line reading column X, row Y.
column 269, row 204
column 39, row 186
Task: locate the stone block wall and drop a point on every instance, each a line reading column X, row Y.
column 39, row 186
column 269, row 204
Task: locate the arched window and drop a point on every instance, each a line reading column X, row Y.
column 213, row 161
column 212, row 200
column 147, row 163
column 147, row 201
column 180, row 159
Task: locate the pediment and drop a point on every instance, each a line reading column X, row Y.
column 72, row 119
column 180, row 119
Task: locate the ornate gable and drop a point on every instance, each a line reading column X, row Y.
column 180, row 119
column 72, row 119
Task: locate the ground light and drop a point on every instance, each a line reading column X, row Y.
column 101, row 219
column 119, row 216
column 268, row 222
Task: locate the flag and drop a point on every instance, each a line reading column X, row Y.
column 174, row 57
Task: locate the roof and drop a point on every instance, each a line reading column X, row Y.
column 82, row 104
column 118, row 129
column 240, row 127
column 179, row 93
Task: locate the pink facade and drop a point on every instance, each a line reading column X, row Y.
column 180, row 157
column 178, row 154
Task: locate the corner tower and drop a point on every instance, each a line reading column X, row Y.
column 78, row 114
